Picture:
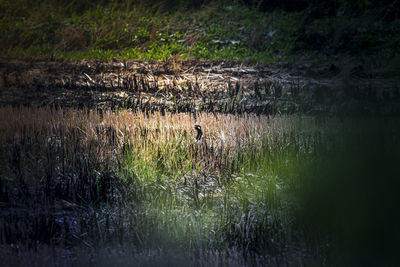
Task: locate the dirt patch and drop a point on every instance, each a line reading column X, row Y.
column 189, row 86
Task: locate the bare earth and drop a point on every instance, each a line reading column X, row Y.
column 189, row 86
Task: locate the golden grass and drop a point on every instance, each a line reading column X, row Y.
column 151, row 138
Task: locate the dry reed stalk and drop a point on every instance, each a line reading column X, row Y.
column 106, row 133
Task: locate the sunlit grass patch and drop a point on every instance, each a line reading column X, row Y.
column 74, row 158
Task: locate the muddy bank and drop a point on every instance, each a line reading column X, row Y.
column 189, row 86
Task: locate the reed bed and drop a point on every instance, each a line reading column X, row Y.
column 102, row 135
column 256, row 188
column 58, row 162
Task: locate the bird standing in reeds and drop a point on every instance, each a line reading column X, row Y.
column 199, row 132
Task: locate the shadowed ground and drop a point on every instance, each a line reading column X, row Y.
column 189, row 86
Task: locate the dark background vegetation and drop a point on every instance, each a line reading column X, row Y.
column 261, row 31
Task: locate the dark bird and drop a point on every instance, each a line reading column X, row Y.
column 199, row 132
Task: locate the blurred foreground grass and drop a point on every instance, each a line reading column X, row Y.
column 124, row 187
